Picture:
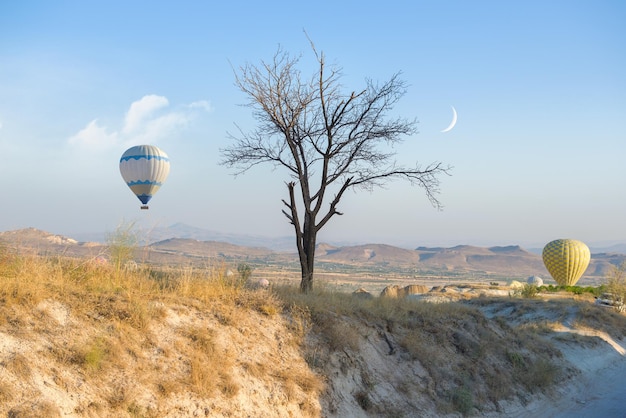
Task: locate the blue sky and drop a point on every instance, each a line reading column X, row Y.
column 539, row 149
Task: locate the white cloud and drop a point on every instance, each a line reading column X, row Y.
column 161, row 127
column 141, row 110
column 147, row 120
column 202, row 105
column 95, row 136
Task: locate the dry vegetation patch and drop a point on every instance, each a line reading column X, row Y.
column 393, row 357
column 83, row 339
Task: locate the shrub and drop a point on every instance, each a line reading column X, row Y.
column 363, row 400
column 529, row 291
column 462, row 400
column 94, row 357
column 245, row 271
column 339, row 334
column 539, row 375
column 122, row 244
column 616, row 282
column 516, row 359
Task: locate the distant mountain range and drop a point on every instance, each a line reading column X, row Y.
column 181, row 230
column 595, row 249
column 286, row 243
column 181, row 244
column 510, row 260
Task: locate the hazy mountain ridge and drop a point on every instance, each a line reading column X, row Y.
column 287, row 243
column 180, row 230
column 41, row 242
column 510, row 260
column 207, row 248
column 503, row 260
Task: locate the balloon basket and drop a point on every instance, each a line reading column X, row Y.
column 144, row 207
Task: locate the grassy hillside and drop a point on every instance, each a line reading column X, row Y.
column 83, row 338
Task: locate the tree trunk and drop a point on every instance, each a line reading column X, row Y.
column 307, row 256
column 306, row 284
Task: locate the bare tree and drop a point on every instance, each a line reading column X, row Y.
column 328, row 142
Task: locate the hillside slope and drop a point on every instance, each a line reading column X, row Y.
column 79, row 339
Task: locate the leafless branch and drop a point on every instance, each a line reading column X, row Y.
column 326, row 139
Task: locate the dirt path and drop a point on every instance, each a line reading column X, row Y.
column 599, row 391
column 602, row 395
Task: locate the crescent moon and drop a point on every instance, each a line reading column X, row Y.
column 453, row 120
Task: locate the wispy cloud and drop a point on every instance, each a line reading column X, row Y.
column 94, row 136
column 140, row 112
column 147, row 120
column 202, row 104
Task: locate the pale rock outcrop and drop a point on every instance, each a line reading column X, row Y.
column 395, row 291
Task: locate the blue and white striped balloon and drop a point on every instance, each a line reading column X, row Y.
column 144, row 168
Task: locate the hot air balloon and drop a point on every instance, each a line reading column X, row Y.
column 566, row 260
column 144, row 168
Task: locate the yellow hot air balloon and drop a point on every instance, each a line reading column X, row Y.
column 566, row 260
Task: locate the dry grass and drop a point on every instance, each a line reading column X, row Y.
column 37, row 409
column 18, row 365
column 104, row 328
column 6, row 392
column 471, row 360
column 209, row 366
column 203, row 336
column 603, row 319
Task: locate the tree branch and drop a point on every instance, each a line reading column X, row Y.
column 326, row 139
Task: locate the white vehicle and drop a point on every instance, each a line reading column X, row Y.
column 611, row 300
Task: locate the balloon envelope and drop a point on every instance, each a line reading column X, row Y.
column 144, row 168
column 566, row 260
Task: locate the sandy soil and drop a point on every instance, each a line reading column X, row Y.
column 599, row 390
